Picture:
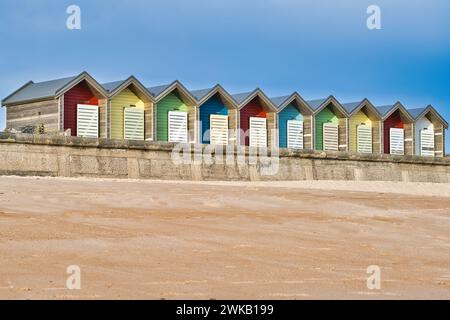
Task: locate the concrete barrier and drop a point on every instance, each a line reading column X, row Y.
column 42, row 155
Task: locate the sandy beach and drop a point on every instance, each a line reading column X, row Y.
column 223, row 240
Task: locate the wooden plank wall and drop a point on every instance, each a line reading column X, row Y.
column 172, row 102
column 409, row 138
column 252, row 109
column 307, row 132
column 376, row 137
column 393, row 121
column 102, row 106
column 61, row 113
column 79, row 94
column 439, row 140
column 353, row 123
column 148, row 120
column 324, row 116
column 32, row 114
column 343, row 134
column 214, row 105
column 290, row 112
column 192, row 123
column 232, row 121
column 272, row 137
column 123, row 99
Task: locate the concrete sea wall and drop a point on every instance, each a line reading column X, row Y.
column 42, row 155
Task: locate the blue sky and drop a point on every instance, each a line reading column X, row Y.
column 316, row 47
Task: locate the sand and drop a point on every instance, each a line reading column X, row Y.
column 223, row 240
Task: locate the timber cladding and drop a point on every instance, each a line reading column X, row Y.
column 192, row 123
column 271, row 129
column 329, row 115
column 290, row 112
column 376, row 136
column 124, row 99
column 362, row 118
column 343, row 134
column 233, row 123
column 32, row 114
column 393, row 121
column 172, row 102
column 308, row 134
column 148, row 120
column 102, row 109
column 255, row 109
column 439, row 139
column 324, row 116
column 252, row 109
column 430, row 122
column 80, row 94
column 409, row 138
column 213, row 106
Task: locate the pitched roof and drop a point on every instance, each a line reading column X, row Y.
column 110, row 86
column 278, row 101
column 282, row 102
column 240, row 97
column 387, row 110
column 315, row 104
column 160, row 92
column 156, row 91
column 383, row 110
column 38, row 90
column 416, row 112
column 350, row 106
column 201, row 93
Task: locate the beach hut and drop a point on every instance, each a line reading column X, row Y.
column 364, row 127
column 217, row 115
column 330, row 124
column 398, row 130
column 74, row 104
column 429, row 129
column 257, row 119
column 176, row 111
column 294, row 122
column 130, row 108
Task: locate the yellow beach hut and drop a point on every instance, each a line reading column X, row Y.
column 130, row 108
column 364, row 127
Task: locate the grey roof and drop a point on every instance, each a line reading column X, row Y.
column 111, row 86
column 315, row 104
column 156, row 91
column 201, row 93
column 350, row 106
column 39, row 90
column 278, row 101
column 383, row 110
column 240, row 97
column 416, row 112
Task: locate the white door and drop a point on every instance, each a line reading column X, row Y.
column 427, row 142
column 330, row 137
column 364, row 138
column 178, row 126
column 397, row 141
column 133, row 123
column 218, row 129
column 87, row 121
column 258, row 132
column 295, row 134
